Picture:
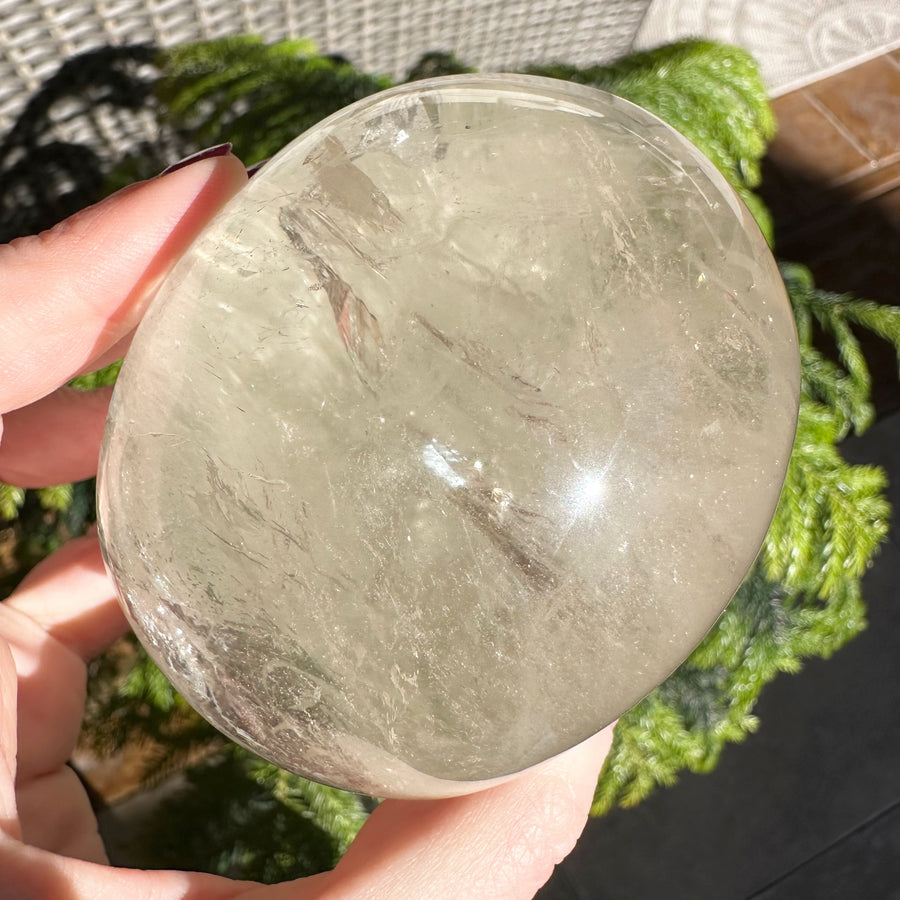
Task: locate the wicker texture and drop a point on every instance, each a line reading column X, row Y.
column 386, row 37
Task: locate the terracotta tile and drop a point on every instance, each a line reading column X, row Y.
column 866, row 101
column 809, row 142
column 875, row 182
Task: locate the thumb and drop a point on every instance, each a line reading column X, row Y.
column 70, row 294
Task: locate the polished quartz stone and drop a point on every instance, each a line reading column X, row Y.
column 451, row 435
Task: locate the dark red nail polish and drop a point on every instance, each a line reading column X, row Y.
column 208, row 153
column 255, row 167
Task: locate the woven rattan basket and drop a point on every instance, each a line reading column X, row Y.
column 385, row 36
column 72, row 71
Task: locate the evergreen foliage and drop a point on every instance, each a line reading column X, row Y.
column 131, row 703
column 239, row 815
column 43, row 176
column 11, row 499
column 101, row 378
column 56, row 498
column 712, row 93
column 258, row 96
column 250, row 820
column 34, row 523
column 802, row 597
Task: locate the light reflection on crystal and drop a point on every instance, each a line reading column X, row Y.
column 441, row 460
column 587, row 493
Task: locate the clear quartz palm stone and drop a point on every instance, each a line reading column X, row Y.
column 451, row 435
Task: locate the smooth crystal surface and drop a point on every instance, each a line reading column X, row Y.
column 452, row 434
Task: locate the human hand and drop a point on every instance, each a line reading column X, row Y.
column 69, row 301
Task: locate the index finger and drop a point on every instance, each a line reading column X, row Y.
column 70, row 294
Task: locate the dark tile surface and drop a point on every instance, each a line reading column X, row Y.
column 865, row 863
column 784, row 810
column 859, row 253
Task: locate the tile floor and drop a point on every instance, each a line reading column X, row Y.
column 809, row 807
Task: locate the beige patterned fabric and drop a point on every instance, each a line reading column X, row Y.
column 385, row 36
column 795, row 42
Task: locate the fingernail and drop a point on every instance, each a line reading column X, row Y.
column 208, row 153
column 253, row 169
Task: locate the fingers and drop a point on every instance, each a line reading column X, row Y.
column 71, row 597
column 71, row 828
column 9, row 823
column 62, row 614
column 51, row 692
column 72, row 293
column 30, row 873
column 500, row 844
column 54, row 440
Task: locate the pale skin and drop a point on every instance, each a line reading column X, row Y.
column 69, row 300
